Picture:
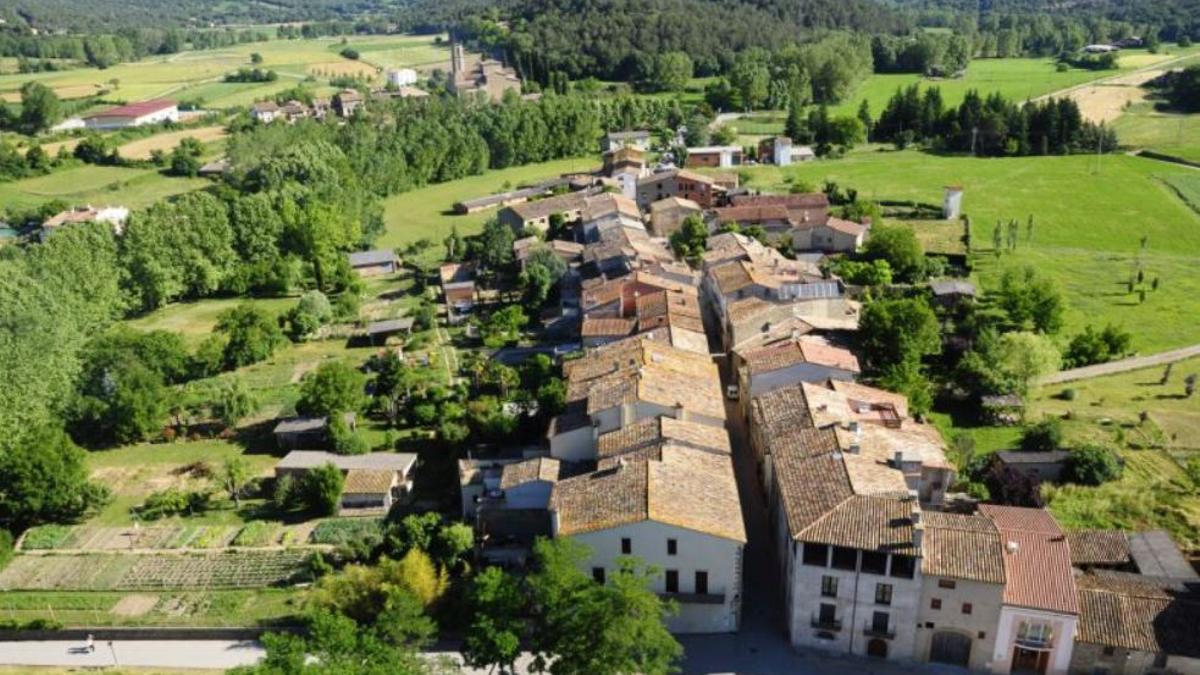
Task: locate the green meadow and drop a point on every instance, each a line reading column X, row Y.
column 1090, row 217
column 427, row 213
column 1144, row 128
column 97, row 185
column 198, row 74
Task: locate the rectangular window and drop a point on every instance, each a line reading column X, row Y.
column 672, row 547
column 903, row 566
column 598, row 574
column 946, row 583
column 829, row 586
column 845, row 558
column 935, row 603
column 672, row 581
column 874, row 563
column 967, row 608
column 879, row 622
column 701, row 583
column 883, row 594
column 1110, row 651
column 626, row 545
column 828, row 614
column 816, row 555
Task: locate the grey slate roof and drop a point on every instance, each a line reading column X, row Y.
column 1155, row 554
column 376, row 257
column 390, row 326
column 1020, row 457
column 952, row 287
column 310, row 459
column 300, row 425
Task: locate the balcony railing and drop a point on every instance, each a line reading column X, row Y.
column 871, row 630
column 826, row 624
column 1036, row 642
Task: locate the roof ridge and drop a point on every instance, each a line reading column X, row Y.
column 827, row 512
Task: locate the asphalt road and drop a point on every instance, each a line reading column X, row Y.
column 1122, row 366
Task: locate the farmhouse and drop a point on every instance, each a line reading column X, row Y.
column 565, row 208
column 373, row 482
column 306, row 433
column 134, row 115
column 806, row 208
column 347, row 102
column 780, row 151
column 714, row 156
column 374, row 263
column 834, row 235
column 1136, row 624
column 113, row 215
column 264, row 111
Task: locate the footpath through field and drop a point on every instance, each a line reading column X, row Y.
column 1122, row 366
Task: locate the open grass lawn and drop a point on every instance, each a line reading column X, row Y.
column 1088, row 227
column 134, row 188
column 1017, row 79
column 427, row 213
column 1144, row 128
column 195, row 320
column 197, row 74
column 133, row 472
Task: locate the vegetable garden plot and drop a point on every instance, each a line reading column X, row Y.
column 248, row 569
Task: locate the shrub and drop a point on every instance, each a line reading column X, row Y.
column 6, row 547
column 320, row 490
column 1043, row 436
column 172, row 502
column 1068, row 394
column 1092, row 465
column 341, row 531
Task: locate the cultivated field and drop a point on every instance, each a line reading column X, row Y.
column 134, row 188
column 131, row 572
column 197, row 74
column 1088, row 226
column 210, row 608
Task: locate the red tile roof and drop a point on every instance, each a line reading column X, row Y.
column 138, row 109
column 1037, row 559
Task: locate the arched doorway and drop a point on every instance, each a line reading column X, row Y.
column 877, row 648
column 951, row 648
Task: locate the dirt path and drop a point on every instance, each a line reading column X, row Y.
column 1122, row 366
column 1104, row 100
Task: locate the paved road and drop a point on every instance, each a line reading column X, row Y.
column 213, row 654
column 1122, row 366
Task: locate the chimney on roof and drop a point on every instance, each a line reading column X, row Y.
column 898, row 460
column 916, row 516
column 1013, row 547
column 918, row 535
column 620, row 463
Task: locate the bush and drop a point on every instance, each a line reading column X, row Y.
column 6, row 547
column 320, row 490
column 1043, row 436
column 173, row 502
column 32, row 624
column 1068, row 394
column 1092, row 465
column 345, row 531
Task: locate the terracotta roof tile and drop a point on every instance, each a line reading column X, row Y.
column 525, row 471
column 690, row 489
column 869, row 523
column 1138, row 615
column 1037, row 559
column 962, row 547
column 1098, row 547
column 369, row 481
column 607, row 327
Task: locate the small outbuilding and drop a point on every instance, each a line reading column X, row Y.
column 378, row 332
column 1038, row 466
column 952, row 292
column 373, row 482
column 306, row 433
column 374, row 263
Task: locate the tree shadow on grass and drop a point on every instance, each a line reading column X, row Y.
column 258, row 439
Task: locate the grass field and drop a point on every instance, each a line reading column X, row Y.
column 1143, row 127
column 1017, row 79
column 144, row 147
column 133, row 472
column 426, row 213
column 197, row 74
column 134, row 188
column 1088, row 226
